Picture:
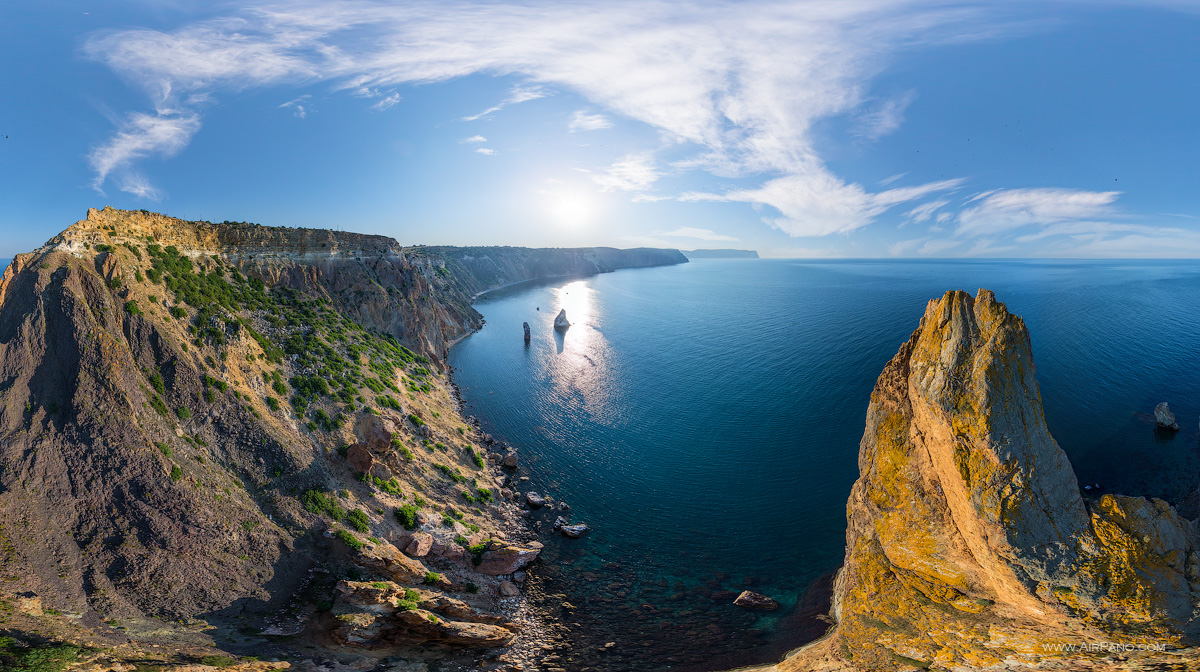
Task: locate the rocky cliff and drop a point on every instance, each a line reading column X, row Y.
column 969, row 544
column 242, row 423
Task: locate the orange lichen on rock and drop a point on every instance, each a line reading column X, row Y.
column 969, row 545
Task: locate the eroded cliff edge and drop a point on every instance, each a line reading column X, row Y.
column 969, row 544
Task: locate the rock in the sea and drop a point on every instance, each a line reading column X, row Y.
column 508, row 589
column 559, row 522
column 510, row 460
column 526, row 326
column 1164, row 418
column 535, row 500
column 752, row 600
column 574, row 531
column 560, row 321
column 968, row 519
column 420, row 545
column 507, row 558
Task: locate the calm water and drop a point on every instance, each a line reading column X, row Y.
column 704, row 419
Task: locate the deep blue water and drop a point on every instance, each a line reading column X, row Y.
column 4, row 264
column 704, row 419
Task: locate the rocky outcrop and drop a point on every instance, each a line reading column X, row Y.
column 560, row 320
column 1163, row 417
column 380, row 613
column 525, row 326
column 749, row 599
column 500, row 559
column 969, row 544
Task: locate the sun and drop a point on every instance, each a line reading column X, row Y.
column 570, row 208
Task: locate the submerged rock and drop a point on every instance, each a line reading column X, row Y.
column 535, row 500
column 560, row 322
column 1163, row 417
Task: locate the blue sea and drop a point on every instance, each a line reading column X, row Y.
column 704, row 420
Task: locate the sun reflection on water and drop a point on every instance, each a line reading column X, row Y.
column 580, row 369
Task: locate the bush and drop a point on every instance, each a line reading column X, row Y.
column 176, row 473
column 432, row 578
column 349, row 539
column 273, row 403
column 156, row 381
column 407, row 516
column 217, row 661
column 43, row 658
column 157, row 402
column 416, row 420
column 164, row 449
column 315, row 501
column 131, row 307
column 358, row 520
column 183, row 412
column 178, row 313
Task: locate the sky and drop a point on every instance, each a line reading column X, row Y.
column 806, row 128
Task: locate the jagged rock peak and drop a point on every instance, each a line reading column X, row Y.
column 560, row 321
column 968, row 541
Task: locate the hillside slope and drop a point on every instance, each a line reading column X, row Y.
column 226, row 420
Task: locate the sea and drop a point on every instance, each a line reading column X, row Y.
column 704, row 420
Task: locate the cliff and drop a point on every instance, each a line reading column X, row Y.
column 244, row 423
column 720, row 254
column 969, row 544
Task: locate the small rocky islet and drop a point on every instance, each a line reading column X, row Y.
column 226, row 446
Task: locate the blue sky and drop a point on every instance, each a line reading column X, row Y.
column 861, row 128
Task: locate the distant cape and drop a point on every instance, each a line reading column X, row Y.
column 720, row 254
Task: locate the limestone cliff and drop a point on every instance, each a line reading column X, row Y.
column 969, row 544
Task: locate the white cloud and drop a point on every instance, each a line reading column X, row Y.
column 924, row 211
column 882, row 119
column 164, row 133
column 740, row 83
column 635, row 172
column 582, row 121
column 486, row 150
column 519, row 94
column 1004, row 210
column 892, row 178
column 296, row 105
column 386, row 102
column 698, row 234
column 473, row 138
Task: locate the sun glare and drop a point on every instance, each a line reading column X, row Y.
column 570, row 208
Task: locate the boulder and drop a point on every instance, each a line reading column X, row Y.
column 526, row 326
column 1164, row 418
column 559, row 523
column 752, row 600
column 574, row 531
column 560, row 321
column 507, row 558
column 360, row 458
column 420, row 545
column 508, row 589
column 510, row 460
column 386, row 560
column 426, row 625
column 535, row 500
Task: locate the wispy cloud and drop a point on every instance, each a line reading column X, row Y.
column 297, row 106
column 880, row 120
column 582, row 121
column 164, row 133
column 698, row 234
column 519, row 94
column 473, row 138
column 741, row 83
column 1004, row 210
column 635, row 172
column 924, row 211
column 486, row 150
column 387, row 102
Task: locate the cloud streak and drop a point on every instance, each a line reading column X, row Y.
column 582, row 121
column 741, row 83
column 164, row 133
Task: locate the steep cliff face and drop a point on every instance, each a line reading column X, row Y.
column 969, row 544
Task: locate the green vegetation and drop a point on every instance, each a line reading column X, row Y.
column 217, row 661
column 156, row 381
column 183, row 412
column 390, row 486
column 450, row 473
column 164, row 449
column 411, row 599
column 398, row 444
column 476, row 457
column 315, row 501
column 157, row 402
column 359, row 521
column 53, row 657
column 176, row 473
column 407, row 516
column 346, row 537
column 131, row 307
column 272, row 403
column 432, row 578
column 416, row 420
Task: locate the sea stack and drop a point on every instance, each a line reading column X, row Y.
column 525, row 325
column 1163, row 417
column 560, row 322
column 968, row 543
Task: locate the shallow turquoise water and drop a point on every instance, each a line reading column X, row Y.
column 704, row 419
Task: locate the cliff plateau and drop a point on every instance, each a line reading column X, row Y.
column 969, row 544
